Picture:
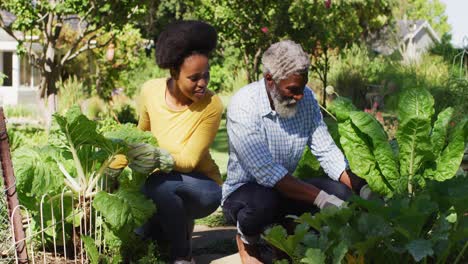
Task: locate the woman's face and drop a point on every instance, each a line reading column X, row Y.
column 193, row 77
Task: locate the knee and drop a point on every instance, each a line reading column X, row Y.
column 211, row 200
column 253, row 220
column 202, row 205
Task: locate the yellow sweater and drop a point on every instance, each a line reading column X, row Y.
column 187, row 134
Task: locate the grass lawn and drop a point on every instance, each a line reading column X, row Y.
column 219, row 148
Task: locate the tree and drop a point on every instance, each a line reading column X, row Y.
column 46, row 19
column 325, row 27
column 250, row 26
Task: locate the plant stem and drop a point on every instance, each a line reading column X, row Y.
column 461, row 253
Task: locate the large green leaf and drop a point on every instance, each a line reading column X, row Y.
column 361, row 159
column 420, row 249
column 91, row 249
column 129, row 133
column 125, row 208
column 439, row 132
column 79, row 130
column 341, row 107
column 448, row 162
column 314, row 256
column 278, row 237
column 381, row 148
column 415, row 103
column 36, row 172
column 414, row 147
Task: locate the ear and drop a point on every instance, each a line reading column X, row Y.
column 174, row 73
column 269, row 80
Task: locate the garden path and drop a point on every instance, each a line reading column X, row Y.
column 215, row 245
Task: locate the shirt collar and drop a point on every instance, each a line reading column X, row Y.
column 264, row 102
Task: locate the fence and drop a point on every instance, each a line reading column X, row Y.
column 50, row 242
column 7, row 255
column 45, row 235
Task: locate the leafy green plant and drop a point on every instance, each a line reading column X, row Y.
column 76, row 159
column 71, row 92
column 423, row 150
column 430, row 226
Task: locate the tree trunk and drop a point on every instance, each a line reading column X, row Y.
column 248, row 71
column 47, row 88
column 256, row 64
column 325, row 78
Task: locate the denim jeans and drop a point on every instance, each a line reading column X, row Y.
column 255, row 207
column 180, row 198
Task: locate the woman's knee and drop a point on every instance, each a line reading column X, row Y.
column 205, row 203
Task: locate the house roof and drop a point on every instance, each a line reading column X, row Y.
column 407, row 28
column 7, row 17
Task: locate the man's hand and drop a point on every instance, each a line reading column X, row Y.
column 367, row 194
column 324, row 199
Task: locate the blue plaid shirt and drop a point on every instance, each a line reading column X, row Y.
column 263, row 147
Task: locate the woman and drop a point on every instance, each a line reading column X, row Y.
column 184, row 116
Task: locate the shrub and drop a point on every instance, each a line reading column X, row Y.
column 71, row 92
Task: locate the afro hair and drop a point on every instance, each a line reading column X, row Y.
column 182, row 39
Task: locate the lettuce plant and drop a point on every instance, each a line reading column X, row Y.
column 422, row 151
column 76, row 159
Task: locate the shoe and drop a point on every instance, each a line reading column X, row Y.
column 254, row 254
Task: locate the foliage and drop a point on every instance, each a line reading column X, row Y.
column 352, row 21
column 71, row 92
column 425, row 151
column 20, row 111
column 123, row 55
column 75, row 160
column 250, row 28
column 145, row 68
column 430, row 226
column 46, row 19
column 213, row 220
column 353, row 71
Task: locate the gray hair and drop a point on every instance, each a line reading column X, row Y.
column 285, row 58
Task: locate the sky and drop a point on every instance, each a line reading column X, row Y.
column 456, row 11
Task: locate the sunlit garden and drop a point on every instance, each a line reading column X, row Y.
column 392, row 89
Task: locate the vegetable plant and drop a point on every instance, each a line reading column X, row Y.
column 423, row 214
column 76, row 159
column 423, row 150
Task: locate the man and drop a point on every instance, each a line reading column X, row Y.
column 269, row 123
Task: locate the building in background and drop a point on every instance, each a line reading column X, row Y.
column 19, row 80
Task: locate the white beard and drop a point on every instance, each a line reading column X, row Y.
column 286, row 108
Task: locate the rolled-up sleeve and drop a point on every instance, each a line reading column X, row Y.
column 250, row 147
column 324, row 148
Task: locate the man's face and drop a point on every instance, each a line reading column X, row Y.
column 286, row 93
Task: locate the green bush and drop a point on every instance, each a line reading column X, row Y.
column 145, row 69
column 71, row 92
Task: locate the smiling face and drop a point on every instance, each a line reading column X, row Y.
column 192, row 80
column 285, row 94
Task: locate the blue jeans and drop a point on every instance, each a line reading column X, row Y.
column 180, row 198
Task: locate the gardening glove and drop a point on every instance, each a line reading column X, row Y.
column 116, row 166
column 366, row 193
column 145, row 158
column 324, row 199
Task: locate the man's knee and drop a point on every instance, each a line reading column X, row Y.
column 253, row 220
